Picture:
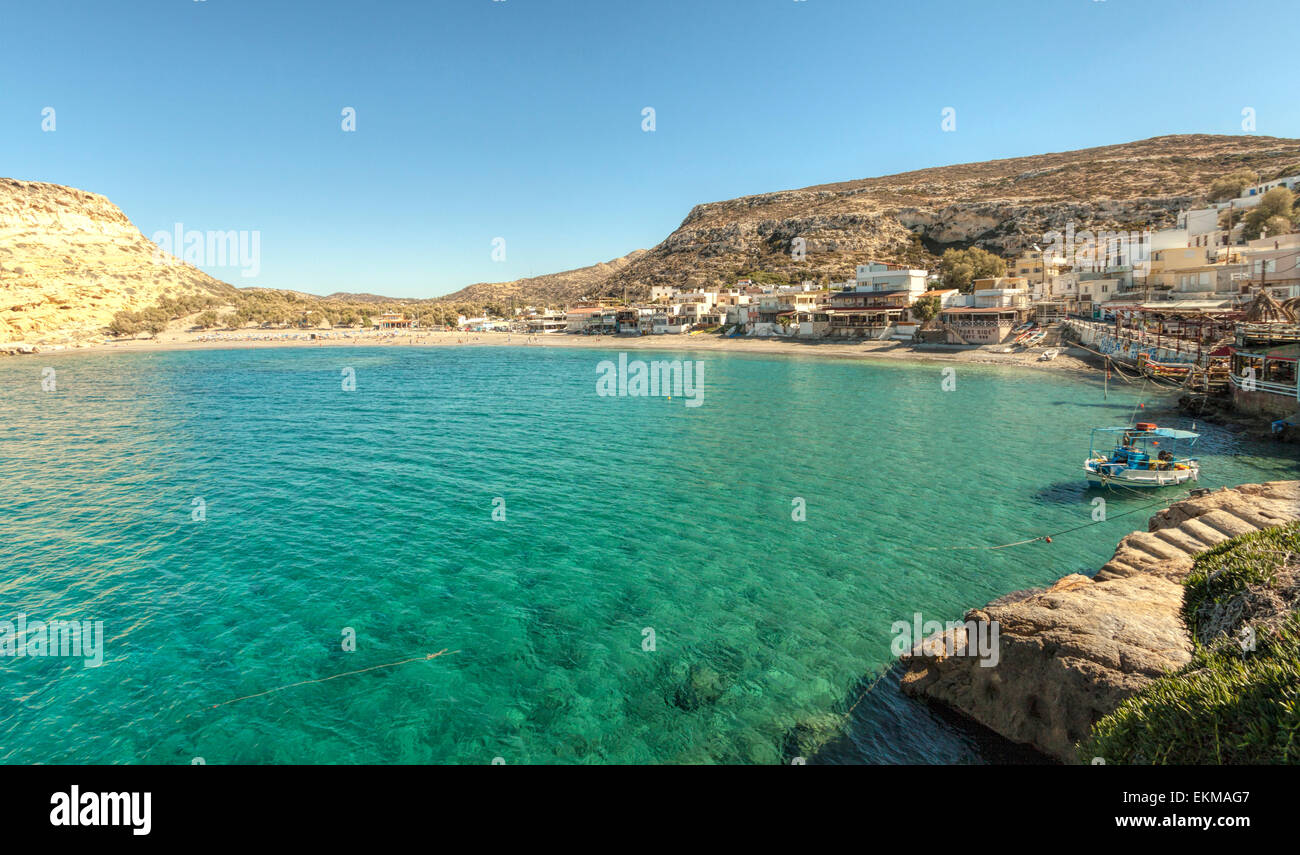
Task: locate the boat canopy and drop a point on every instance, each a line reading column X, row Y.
column 1168, row 433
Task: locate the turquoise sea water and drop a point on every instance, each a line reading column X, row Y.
column 373, row 509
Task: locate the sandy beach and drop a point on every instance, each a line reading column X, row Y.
column 1068, row 359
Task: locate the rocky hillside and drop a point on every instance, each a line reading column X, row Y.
column 70, row 260
column 999, row 205
column 554, row 289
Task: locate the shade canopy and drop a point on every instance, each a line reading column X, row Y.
column 1168, row 433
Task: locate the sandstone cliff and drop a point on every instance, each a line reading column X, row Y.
column 70, row 260
column 1072, row 653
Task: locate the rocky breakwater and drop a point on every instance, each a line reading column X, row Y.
column 1070, row 654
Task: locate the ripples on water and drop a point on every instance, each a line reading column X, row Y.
column 373, row 510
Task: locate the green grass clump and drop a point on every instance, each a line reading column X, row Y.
column 1228, row 705
column 1229, row 568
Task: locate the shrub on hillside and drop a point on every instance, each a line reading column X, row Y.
column 1232, row 185
column 1275, row 212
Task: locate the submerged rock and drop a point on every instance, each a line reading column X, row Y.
column 810, row 735
column 703, row 686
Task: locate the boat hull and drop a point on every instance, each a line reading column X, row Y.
column 1143, row 478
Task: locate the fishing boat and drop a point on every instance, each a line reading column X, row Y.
column 1029, row 335
column 1049, row 354
column 1171, row 370
column 1141, row 456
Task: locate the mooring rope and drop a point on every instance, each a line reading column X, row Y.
column 443, row 652
column 867, row 691
column 1138, row 404
column 1048, row 537
column 1112, row 364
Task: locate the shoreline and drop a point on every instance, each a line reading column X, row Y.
column 1070, row 359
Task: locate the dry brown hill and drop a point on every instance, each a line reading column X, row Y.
column 70, row 260
column 553, row 289
column 1000, row 205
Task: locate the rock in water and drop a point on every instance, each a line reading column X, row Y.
column 1072, row 653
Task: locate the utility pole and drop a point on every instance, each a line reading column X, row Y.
column 1263, row 266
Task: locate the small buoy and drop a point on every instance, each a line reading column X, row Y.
column 1048, row 539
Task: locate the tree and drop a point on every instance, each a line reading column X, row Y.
column 915, row 254
column 124, row 323
column 926, row 308
column 1275, row 226
column 1232, row 185
column 1276, row 205
column 1231, row 218
column 960, row 267
column 208, row 320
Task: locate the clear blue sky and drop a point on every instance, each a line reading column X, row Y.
column 522, row 118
